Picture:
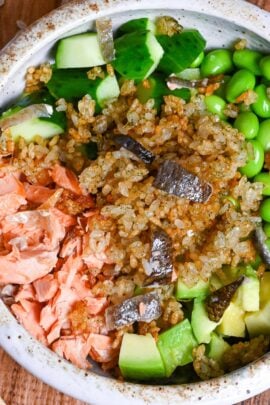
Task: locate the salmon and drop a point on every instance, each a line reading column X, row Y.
column 12, row 192
column 65, row 178
column 70, row 246
column 101, row 349
column 10, row 203
column 74, row 349
column 26, row 292
column 45, row 288
column 28, row 314
column 37, row 194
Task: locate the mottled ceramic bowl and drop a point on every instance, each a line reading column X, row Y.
column 221, row 22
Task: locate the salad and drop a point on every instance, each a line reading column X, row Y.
column 134, row 202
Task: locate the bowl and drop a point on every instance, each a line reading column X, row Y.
column 221, row 23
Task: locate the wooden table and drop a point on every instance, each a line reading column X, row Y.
column 18, row 387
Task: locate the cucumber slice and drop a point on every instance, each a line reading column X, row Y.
column 138, row 24
column 73, row 84
column 180, row 50
column 183, row 292
column 79, row 51
column 190, row 74
column 137, row 55
column 37, row 126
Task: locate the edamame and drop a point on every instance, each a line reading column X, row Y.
column 248, row 59
column 265, row 179
column 265, row 67
column 265, row 210
column 262, row 106
column 217, row 62
column 247, row 122
column 255, row 159
column 216, row 105
column 264, row 135
column 242, row 81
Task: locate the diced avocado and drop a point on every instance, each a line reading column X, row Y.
column 183, row 292
column 232, row 322
column 137, row 55
column 78, row 51
column 248, row 294
column 202, row 326
column 176, row 345
column 156, row 89
column 265, row 289
column 36, row 126
column 217, row 347
column 139, row 357
column 258, row 323
column 137, row 24
column 180, row 50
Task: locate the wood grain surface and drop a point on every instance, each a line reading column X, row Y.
column 17, row 386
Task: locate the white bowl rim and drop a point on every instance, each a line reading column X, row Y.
column 36, row 358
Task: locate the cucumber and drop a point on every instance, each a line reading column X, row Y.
column 36, row 126
column 189, row 74
column 79, row 51
column 180, row 50
column 156, row 88
column 73, row 84
column 138, row 24
column 137, row 55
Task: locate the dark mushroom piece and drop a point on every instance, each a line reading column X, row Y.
column 135, row 147
column 260, row 239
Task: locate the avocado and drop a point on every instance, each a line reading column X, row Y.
column 265, row 289
column 139, row 357
column 201, row 324
column 183, row 292
column 248, row 294
column 217, row 347
column 232, row 322
column 176, row 345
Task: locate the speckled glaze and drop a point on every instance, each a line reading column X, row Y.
column 221, row 22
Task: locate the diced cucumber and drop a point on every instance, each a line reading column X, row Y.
column 137, row 55
column 202, row 326
column 138, row 24
column 190, row 74
column 79, row 51
column 176, row 345
column 180, row 50
column 156, row 89
column 217, row 347
column 36, row 126
column 73, row 84
column 183, row 292
column 139, row 357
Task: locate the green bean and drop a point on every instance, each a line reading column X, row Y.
column 262, row 106
column 265, row 179
column 255, row 159
column 265, row 66
column 217, row 62
column 266, row 229
column 264, row 135
column 216, row 105
column 239, row 83
column 265, row 210
column 197, row 62
column 248, row 59
column 247, row 123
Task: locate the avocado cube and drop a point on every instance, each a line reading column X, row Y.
column 139, row 358
column 265, row 289
column 217, row 347
column 232, row 322
column 258, row 323
column 248, row 294
column 176, row 345
column 202, row 326
column 183, row 292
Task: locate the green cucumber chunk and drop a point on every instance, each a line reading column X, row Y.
column 189, row 74
column 180, row 50
column 139, row 358
column 73, row 84
column 138, row 24
column 79, row 51
column 202, row 326
column 217, row 347
column 183, row 292
column 176, row 345
column 156, row 89
column 137, row 55
column 36, row 126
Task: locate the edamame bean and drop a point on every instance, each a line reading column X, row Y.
column 265, row 210
column 265, row 66
column 241, row 81
column 266, row 229
column 248, row 59
column 264, row 135
column 255, row 159
column 217, row 62
column 267, row 242
column 262, row 106
column 197, row 61
column 216, row 105
column 265, row 179
column 247, row 123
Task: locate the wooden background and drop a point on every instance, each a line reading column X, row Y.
column 18, row 387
